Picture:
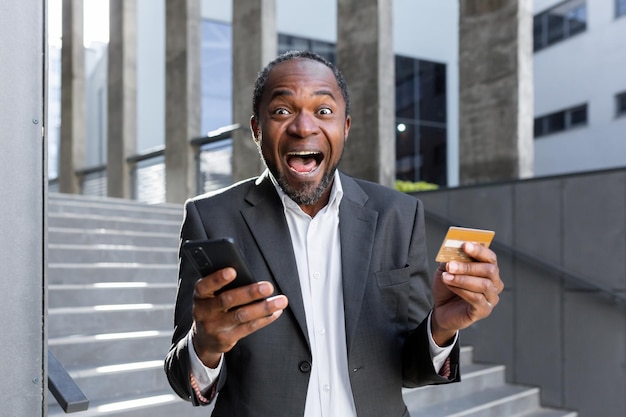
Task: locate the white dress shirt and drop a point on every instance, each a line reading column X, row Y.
column 317, row 250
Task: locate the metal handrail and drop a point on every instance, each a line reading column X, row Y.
column 224, row 132
column 63, row 388
column 149, row 154
column 552, row 269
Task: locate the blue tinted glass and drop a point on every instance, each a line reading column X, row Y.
column 216, row 75
column 620, row 7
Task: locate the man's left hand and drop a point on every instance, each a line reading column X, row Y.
column 464, row 292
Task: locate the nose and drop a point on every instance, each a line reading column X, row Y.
column 304, row 124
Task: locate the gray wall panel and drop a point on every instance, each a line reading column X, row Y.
column 538, row 219
column 538, row 332
column 488, row 207
column 595, row 356
column 548, row 331
column 594, row 224
column 22, row 241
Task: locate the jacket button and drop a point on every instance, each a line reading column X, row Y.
column 305, row 366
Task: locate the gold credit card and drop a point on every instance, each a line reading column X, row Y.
column 451, row 247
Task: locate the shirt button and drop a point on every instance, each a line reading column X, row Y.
column 322, row 331
column 304, row 366
column 316, row 275
column 326, row 388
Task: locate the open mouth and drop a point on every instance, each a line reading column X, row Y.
column 305, row 161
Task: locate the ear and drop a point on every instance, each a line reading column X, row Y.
column 346, row 128
column 255, row 128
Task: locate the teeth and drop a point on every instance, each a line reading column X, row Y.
column 304, row 153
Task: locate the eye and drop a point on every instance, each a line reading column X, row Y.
column 280, row 110
column 325, row 111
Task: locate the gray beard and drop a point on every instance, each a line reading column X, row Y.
column 306, row 194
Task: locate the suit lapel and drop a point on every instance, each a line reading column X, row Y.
column 265, row 219
column 357, row 226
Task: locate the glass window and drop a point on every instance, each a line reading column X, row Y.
column 620, row 104
column 559, row 23
column 555, row 122
column 577, row 116
column 216, row 75
column 620, row 8
column 561, row 120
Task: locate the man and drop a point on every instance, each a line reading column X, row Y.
column 342, row 315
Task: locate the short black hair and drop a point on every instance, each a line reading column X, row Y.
column 259, row 85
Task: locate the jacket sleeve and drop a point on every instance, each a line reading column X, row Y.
column 418, row 365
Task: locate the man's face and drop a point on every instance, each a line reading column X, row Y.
column 301, row 129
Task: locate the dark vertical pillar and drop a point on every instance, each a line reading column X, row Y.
column 73, row 121
column 122, row 96
column 365, row 56
column 254, row 45
column 182, row 96
column 496, row 90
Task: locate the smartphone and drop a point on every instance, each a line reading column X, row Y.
column 208, row 256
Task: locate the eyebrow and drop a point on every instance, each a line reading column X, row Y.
column 279, row 93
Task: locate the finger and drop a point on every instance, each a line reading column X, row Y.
column 245, row 295
column 480, row 253
column 206, row 287
column 480, row 287
column 260, row 309
column 479, row 292
column 489, row 271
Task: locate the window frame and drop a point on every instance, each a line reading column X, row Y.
column 543, row 128
column 568, row 13
column 620, row 104
column 620, row 8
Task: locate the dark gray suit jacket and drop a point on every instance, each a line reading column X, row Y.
column 386, row 287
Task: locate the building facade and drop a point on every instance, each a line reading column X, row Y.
column 580, row 89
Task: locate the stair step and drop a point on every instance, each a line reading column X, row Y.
column 466, row 356
column 120, row 380
column 93, row 221
column 476, row 378
column 112, row 253
column 155, row 404
column 152, row 404
column 505, row 400
column 108, row 319
column 60, row 235
column 72, row 203
column 110, row 348
column 76, row 273
column 78, row 295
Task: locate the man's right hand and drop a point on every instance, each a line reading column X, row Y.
column 220, row 321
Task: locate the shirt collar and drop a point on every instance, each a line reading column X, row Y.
column 336, row 194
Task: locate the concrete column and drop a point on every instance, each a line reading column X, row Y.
column 496, row 90
column 255, row 43
column 365, row 56
column 23, row 187
column 182, row 96
column 73, row 120
column 121, row 96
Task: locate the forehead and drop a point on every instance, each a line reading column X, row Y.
column 302, row 74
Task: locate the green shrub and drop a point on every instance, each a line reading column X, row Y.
column 411, row 187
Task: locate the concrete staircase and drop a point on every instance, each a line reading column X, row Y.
column 112, row 286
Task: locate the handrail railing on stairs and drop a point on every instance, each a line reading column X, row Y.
column 63, row 388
